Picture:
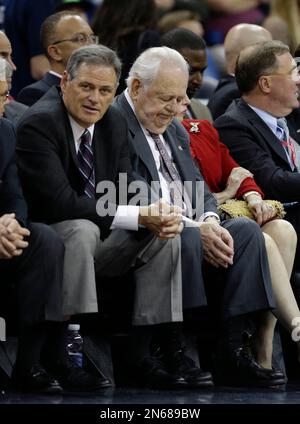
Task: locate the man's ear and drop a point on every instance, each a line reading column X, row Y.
column 265, row 84
column 64, row 81
column 54, row 52
column 135, row 88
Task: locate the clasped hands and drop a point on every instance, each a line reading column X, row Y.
column 12, row 235
column 163, row 219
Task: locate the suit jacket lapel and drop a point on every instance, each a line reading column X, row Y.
column 70, row 140
column 180, row 153
column 269, row 137
column 102, row 153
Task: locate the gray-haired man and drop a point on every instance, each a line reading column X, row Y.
column 157, row 85
column 69, row 142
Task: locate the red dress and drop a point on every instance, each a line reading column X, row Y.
column 213, row 157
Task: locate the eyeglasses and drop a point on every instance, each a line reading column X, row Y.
column 4, row 96
column 80, row 39
column 294, row 74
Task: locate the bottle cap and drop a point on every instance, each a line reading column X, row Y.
column 74, row 327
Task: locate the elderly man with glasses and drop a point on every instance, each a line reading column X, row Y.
column 61, row 34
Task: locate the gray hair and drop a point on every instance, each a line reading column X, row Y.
column 257, row 60
column 93, row 55
column 5, row 70
column 146, row 66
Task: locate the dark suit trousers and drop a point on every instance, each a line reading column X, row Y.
column 244, row 287
column 37, row 277
column 193, row 292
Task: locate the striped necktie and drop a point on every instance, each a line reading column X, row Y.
column 86, row 164
column 169, row 172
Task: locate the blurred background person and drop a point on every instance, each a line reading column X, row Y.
column 128, row 28
column 61, row 34
column 238, row 38
column 289, row 12
column 23, row 19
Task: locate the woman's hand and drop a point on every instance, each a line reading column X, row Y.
column 260, row 209
column 235, row 179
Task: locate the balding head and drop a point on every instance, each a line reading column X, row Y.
column 238, row 38
column 6, row 53
column 61, row 34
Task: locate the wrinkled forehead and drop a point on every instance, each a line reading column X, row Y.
column 170, row 81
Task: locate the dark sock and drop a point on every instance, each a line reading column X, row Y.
column 141, row 337
column 171, row 337
column 30, row 343
column 55, row 347
column 232, row 334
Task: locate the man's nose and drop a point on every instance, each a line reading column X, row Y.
column 13, row 66
column 94, row 96
column 172, row 106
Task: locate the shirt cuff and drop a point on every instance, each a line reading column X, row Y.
column 206, row 215
column 248, row 193
column 126, row 218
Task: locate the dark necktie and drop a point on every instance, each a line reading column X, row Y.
column 86, row 164
column 169, row 171
column 286, row 141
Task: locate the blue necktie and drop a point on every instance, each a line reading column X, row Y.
column 86, row 164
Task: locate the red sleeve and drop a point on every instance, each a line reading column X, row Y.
column 228, row 163
column 213, row 157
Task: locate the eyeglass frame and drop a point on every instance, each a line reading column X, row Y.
column 74, row 39
column 288, row 74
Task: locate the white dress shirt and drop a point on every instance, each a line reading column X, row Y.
column 126, row 216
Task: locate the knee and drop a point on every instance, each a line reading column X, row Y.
column 247, row 227
column 46, row 239
column 269, row 243
column 85, row 233
column 281, row 231
column 190, row 240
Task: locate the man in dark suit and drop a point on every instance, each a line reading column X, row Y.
column 253, row 129
column 160, row 153
column 31, row 261
column 61, row 34
column 238, row 38
column 60, row 167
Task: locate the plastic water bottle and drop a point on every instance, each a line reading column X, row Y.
column 75, row 344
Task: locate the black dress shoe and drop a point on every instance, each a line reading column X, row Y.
column 153, row 374
column 37, row 380
column 240, row 369
column 74, row 378
column 179, row 364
